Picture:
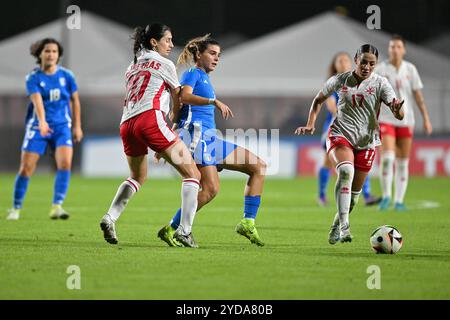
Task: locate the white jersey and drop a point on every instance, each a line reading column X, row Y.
column 404, row 81
column 358, row 107
column 148, row 83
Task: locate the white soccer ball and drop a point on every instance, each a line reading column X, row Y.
column 386, row 239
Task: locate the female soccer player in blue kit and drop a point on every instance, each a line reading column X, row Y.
column 51, row 89
column 341, row 63
column 212, row 154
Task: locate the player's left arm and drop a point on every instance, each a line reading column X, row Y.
column 417, row 85
column 174, row 115
column 418, row 96
column 76, row 117
column 389, row 98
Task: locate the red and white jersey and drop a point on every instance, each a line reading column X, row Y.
column 405, row 81
column 148, row 81
column 358, row 107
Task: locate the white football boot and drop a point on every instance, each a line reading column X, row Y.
column 13, row 214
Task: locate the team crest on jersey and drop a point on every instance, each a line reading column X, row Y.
column 62, row 81
column 370, row 90
column 344, row 89
column 42, row 84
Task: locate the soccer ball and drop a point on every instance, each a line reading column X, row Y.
column 386, row 239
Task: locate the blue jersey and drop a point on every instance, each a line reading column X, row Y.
column 56, row 90
column 201, row 84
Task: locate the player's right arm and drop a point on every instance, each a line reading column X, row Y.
column 38, row 104
column 330, row 86
column 33, row 91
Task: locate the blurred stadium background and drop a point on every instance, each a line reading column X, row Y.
column 275, row 58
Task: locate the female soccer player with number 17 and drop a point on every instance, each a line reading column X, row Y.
column 354, row 133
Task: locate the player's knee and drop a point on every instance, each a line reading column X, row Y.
column 26, row 169
column 345, row 171
column 261, row 167
column 257, row 168
column 64, row 165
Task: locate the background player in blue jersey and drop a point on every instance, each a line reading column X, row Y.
column 52, row 90
column 198, row 131
column 342, row 62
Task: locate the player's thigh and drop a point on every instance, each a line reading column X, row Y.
column 358, row 179
column 404, row 146
column 181, row 159
column 243, row 160
column 138, row 168
column 341, row 153
column 63, row 157
column 28, row 162
column 327, row 161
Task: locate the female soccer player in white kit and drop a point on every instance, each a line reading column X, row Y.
column 151, row 81
column 354, row 133
column 397, row 134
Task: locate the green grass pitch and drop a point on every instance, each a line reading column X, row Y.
column 296, row 263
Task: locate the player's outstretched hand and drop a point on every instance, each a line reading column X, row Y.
column 44, row 129
column 77, row 134
column 304, row 130
column 396, row 106
column 224, row 109
column 427, row 127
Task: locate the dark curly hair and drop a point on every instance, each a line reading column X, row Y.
column 37, row 47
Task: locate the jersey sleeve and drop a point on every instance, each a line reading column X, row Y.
column 32, row 84
column 332, row 85
column 169, row 75
column 387, row 92
column 416, row 82
column 190, row 78
column 71, row 83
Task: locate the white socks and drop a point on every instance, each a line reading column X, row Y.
column 387, row 173
column 342, row 191
column 401, row 179
column 387, row 176
column 189, row 193
column 126, row 190
column 353, row 202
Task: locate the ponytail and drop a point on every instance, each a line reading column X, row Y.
column 194, row 46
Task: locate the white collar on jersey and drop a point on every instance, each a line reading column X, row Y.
column 146, row 54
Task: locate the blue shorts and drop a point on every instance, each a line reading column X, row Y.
column 206, row 148
column 34, row 142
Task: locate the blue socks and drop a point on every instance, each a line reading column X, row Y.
column 61, row 185
column 366, row 188
column 20, row 188
column 251, row 206
column 175, row 222
column 324, row 177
